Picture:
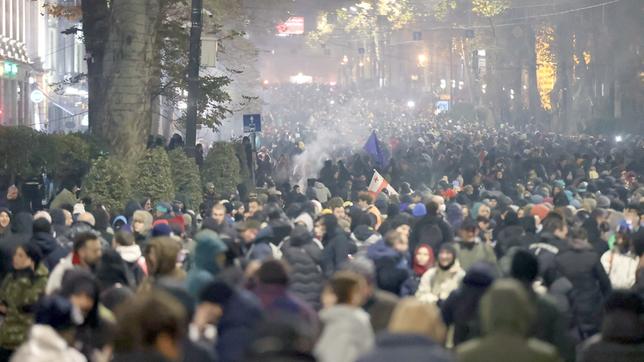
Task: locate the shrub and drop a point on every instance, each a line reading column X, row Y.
column 106, row 184
column 153, row 177
column 221, row 167
column 185, row 176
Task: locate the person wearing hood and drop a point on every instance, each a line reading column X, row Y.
column 320, row 192
column 423, row 261
column 337, row 245
column 19, row 292
column 209, row 260
column 461, row 308
column 415, row 334
column 454, row 213
column 113, row 271
column 130, row 252
column 21, row 231
column 580, row 264
column 236, row 313
column 304, row 257
column 5, row 223
column 390, row 258
column 51, row 250
column 52, row 336
column 622, row 333
column 438, row 282
column 58, row 223
column 431, row 229
column 506, row 316
column 141, row 226
column 550, row 325
column 347, row 333
column 261, row 249
column 470, row 249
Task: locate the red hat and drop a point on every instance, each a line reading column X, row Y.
column 540, row 210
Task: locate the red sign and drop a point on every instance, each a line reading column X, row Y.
column 293, row 26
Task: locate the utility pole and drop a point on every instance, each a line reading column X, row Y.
column 194, row 62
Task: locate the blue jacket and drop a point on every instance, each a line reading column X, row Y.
column 408, row 348
column 236, row 329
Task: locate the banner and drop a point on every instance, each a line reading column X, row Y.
column 380, row 184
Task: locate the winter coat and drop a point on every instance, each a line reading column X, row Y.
column 580, row 264
column 380, row 306
column 51, row 250
column 546, row 250
column 469, row 253
column 321, row 192
column 461, row 308
column 430, row 230
column 19, row 292
column 391, row 267
column 621, row 339
column 280, row 304
column 346, row 334
column 306, row 276
column 509, row 236
column 261, row 248
column 621, row 268
column 135, row 261
column 21, row 232
column 207, row 249
column 595, row 236
column 408, row 348
column 337, row 249
column 506, row 316
column 46, row 345
column 437, row 284
column 237, row 326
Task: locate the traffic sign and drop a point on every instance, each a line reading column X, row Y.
column 37, row 96
column 252, row 123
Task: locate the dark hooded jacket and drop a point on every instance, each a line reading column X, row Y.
column 337, row 248
column 506, row 316
column 52, row 251
column 392, row 269
column 304, row 258
column 580, row 265
column 461, row 308
column 21, row 232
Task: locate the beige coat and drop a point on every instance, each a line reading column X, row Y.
column 437, row 284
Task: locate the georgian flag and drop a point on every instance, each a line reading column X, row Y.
column 379, row 184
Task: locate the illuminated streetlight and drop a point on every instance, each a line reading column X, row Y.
column 411, row 104
column 422, row 60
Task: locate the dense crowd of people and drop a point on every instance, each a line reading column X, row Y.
column 498, row 245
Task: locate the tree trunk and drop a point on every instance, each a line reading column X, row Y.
column 95, row 31
column 128, row 69
column 534, row 103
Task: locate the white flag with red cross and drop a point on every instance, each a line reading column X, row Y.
column 379, row 184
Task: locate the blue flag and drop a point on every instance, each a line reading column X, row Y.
column 377, row 150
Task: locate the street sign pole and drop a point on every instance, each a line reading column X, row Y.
column 194, row 59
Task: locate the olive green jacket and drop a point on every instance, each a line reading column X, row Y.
column 19, row 293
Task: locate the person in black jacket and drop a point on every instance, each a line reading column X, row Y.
column 594, row 227
column 337, row 245
column 42, row 236
column 431, row 230
column 304, row 258
column 552, row 240
column 580, row 264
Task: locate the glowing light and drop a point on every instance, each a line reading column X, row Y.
column 618, row 138
column 414, row 77
column 332, row 102
column 422, row 60
column 345, row 60
column 443, row 84
column 411, row 104
column 265, row 82
column 546, row 65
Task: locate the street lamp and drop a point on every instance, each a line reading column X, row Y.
column 422, row 60
column 411, row 104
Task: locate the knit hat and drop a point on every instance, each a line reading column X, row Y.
column 525, row 266
column 161, row 229
column 481, row 274
column 57, row 312
column 216, row 292
column 419, row 210
column 449, row 248
column 603, row 202
column 540, row 210
column 363, row 232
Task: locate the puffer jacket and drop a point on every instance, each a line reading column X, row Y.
column 346, row 336
column 45, row 344
column 304, row 257
column 437, row 284
column 590, row 285
column 19, row 292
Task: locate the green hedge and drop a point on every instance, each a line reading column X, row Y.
column 185, row 176
column 221, row 167
column 106, row 184
column 153, row 177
